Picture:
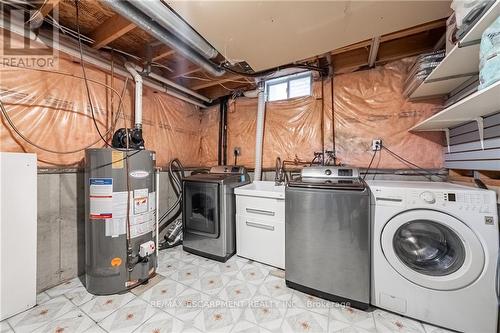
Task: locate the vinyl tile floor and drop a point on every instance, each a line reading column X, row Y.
column 201, row 295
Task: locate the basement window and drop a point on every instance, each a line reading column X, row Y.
column 290, row 86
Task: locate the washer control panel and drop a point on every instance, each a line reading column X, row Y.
column 478, row 201
column 318, row 171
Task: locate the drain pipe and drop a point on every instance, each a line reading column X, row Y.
column 259, row 132
column 141, row 20
column 138, row 94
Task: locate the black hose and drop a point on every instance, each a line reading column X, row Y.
column 176, row 179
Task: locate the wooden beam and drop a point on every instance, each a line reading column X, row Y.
column 113, row 28
column 388, row 51
column 396, row 49
column 350, row 60
column 213, row 83
column 414, row 30
column 162, row 54
column 394, row 35
column 192, row 71
column 217, row 91
column 48, row 6
column 158, row 52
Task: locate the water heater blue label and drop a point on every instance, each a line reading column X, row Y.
column 101, row 198
column 101, row 181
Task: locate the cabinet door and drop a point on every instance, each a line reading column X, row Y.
column 261, row 240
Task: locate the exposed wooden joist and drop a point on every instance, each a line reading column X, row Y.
column 162, row 52
column 113, row 28
column 406, row 47
column 48, row 6
column 217, row 91
column 158, row 52
column 388, row 51
column 192, row 71
column 213, row 83
column 350, row 60
column 394, row 35
column 414, row 30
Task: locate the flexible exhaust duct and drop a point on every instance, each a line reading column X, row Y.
column 259, row 132
column 144, row 22
column 165, row 17
column 138, row 94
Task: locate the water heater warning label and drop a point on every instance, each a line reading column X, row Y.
column 141, row 215
column 141, row 201
column 101, row 198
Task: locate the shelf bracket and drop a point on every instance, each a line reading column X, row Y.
column 480, row 126
column 447, row 134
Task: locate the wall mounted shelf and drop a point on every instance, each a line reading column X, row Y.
column 461, row 63
column 479, row 104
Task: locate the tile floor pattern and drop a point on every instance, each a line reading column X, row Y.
column 201, row 295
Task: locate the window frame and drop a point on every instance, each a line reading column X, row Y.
column 287, row 79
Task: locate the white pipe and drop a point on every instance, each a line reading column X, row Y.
column 138, row 94
column 259, row 132
column 157, row 11
column 157, row 197
column 66, row 47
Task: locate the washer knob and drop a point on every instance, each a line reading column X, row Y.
column 328, row 172
column 428, row 197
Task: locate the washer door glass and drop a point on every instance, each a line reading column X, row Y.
column 429, row 247
column 432, row 249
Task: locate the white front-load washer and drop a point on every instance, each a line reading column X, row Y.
column 435, row 253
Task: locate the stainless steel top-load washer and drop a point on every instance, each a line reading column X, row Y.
column 209, row 212
column 327, row 235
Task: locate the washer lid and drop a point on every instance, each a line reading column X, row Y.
column 432, row 249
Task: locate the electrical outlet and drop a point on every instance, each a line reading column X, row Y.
column 237, row 151
column 376, row 144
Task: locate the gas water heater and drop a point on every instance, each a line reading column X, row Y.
column 120, row 228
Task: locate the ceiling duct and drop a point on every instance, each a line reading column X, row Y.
column 143, row 21
column 169, row 20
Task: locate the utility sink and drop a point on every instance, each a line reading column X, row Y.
column 263, row 189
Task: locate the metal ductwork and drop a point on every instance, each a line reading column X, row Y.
column 165, row 17
column 143, row 21
column 91, row 57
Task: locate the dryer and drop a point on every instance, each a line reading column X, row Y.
column 435, row 253
column 209, row 211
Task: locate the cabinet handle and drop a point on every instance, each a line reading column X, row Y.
column 260, row 211
column 260, row 226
